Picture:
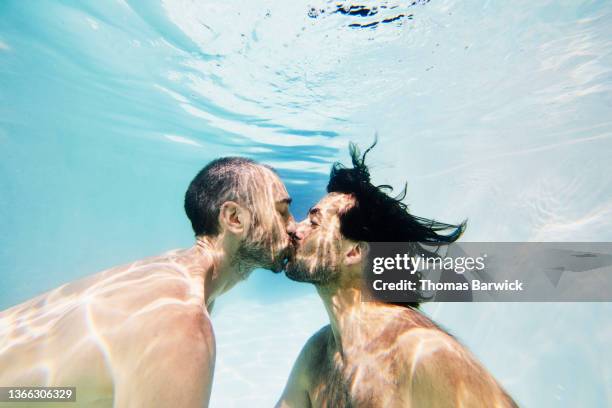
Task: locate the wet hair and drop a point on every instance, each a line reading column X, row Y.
column 378, row 217
column 224, row 179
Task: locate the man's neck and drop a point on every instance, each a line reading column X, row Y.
column 355, row 322
column 213, row 261
column 345, row 309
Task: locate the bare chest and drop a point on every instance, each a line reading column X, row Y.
column 373, row 382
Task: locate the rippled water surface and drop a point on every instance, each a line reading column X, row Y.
column 499, row 112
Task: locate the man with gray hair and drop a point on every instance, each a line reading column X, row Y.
column 140, row 335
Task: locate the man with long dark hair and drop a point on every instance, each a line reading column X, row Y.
column 374, row 354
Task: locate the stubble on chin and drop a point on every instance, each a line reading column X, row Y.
column 302, row 270
column 259, row 255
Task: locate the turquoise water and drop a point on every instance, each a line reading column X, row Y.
column 494, row 111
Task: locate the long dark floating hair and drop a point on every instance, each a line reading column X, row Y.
column 379, row 217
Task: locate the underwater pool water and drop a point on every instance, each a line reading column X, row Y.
column 498, row 112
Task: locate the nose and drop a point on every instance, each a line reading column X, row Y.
column 291, row 225
column 300, row 229
column 291, row 228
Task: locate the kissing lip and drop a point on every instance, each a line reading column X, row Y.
column 289, row 253
column 294, row 244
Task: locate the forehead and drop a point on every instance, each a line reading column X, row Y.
column 273, row 184
column 333, row 203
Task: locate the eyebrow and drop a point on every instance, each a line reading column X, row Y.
column 314, row 211
column 287, row 200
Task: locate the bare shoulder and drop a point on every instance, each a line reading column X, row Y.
column 151, row 298
column 438, row 365
column 314, row 352
column 310, row 359
column 176, row 326
column 171, row 336
column 163, row 273
column 318, row 342
column 435, row 368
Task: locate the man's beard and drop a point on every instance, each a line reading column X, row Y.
column 257, row 253
column 303, row 270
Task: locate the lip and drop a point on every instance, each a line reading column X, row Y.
column 289, row 252
column 293, row 247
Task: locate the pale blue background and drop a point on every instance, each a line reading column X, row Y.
column 494, row 111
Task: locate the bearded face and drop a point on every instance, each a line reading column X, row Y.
column 268, row 242
column 318, row 254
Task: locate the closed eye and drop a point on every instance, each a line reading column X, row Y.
column 314, row 213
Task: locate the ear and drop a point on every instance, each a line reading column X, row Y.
column 355, row 254
column 234, row 218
